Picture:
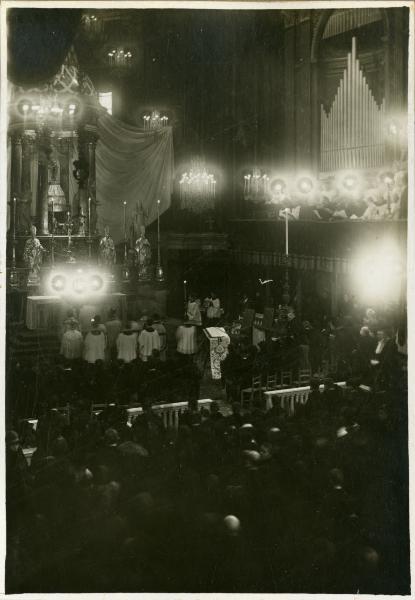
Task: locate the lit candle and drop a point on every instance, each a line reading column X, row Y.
column 185, row 292
column 89, row 216
column 125, row 220
column 14, row 215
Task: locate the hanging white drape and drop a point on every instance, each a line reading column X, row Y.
column 135, row 166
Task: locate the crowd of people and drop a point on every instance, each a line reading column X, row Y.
column 386, row 198
column 249, row 502
column 238, row 500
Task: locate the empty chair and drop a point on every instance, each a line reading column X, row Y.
column 255, row 391
column 286, row 378
column 304, row 376
column 271, row 382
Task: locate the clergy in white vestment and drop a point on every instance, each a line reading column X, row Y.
column 148, row 340
column 114, row 328
column 94, row 345
column 67, row 323
column 72, row 341
column 193, row 311
column 186, row 339
column 213, row 312
column 127, row 345
column 161, row 330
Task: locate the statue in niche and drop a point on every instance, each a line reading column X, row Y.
column 33, row 256
column 55, row 190
column 106, row 252
column 82, row 225
column 143, row 255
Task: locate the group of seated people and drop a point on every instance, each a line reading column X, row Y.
column 383, row 199
column 363, row 345
column 251, row 501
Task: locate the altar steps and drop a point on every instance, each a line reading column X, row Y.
column 27, row 344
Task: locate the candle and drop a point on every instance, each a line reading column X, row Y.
column 185, row 290
column 14, row 216
column 125, row 220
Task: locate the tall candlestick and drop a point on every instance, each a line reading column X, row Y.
column 185, row 293
column 286, row 232
column 14, row 217
column 158, row 232
column 52, row 251
column 89, row 216
column 125, row 220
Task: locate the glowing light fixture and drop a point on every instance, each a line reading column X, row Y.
column 305, row 185
column 58, row 283
column 155, row 120
column 197, row 185
column 256, row 184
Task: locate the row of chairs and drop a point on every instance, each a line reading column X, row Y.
column 274, row 381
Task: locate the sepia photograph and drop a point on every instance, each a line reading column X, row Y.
column 205, row 216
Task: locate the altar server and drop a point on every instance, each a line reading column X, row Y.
column 72, row 341
column 148, row 340
column 114, row 328
column 94, row 345
column 186, row 338
column 161, row 330
column 127, row 345
column 193, row 311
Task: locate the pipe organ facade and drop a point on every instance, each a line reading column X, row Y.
column 352, row 133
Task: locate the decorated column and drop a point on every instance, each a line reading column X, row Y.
column 16, row 171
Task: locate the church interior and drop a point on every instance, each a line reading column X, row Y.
column 206, row 318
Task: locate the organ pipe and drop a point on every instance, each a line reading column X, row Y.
column 351, row 133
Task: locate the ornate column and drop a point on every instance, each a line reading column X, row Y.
column 24, row 218
column 42, row 208
column 16, row 172
column 85, row 172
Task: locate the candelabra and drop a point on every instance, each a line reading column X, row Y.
column 256, row 184
column 197, row 187
column 47, row 108
column 155, row 121
column 120, row 57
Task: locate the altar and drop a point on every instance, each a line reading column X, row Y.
column 49, row 312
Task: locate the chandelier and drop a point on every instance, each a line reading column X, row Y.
column 120, row 57
column 155, row 121
column 256, row 184
column 92, row 26
column 197, row 185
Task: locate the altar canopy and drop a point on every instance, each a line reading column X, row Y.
column 134, row 166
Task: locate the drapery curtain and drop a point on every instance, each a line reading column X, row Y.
column 38, row 41
column 133, row 166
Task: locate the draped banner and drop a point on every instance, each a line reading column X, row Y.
column 132, row 166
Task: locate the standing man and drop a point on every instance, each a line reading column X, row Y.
column 72, row 341
column 148, row 340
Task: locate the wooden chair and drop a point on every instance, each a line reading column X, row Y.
column 271, row 382
column 252, row 392
column 304, row 376
column 286, row 379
